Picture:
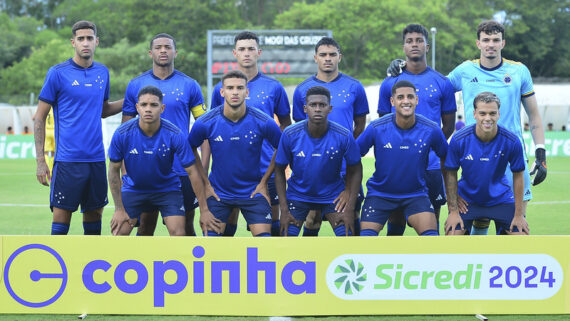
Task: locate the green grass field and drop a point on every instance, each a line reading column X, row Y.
column 24, row 211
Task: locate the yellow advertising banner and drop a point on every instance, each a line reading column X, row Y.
column 285, row 276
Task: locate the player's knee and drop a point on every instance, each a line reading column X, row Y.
column 481, row 223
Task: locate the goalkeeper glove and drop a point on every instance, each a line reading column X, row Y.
column 396, row 68
column 539, row 167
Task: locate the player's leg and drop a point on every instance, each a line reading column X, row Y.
column 66, row 189
column 94, row 198
column 299, row 210
column 231, row 226
column 190, row 204
column 420, row 215
column 275, row 227
column 147, row 223
column 221, row 210
column 436, row 191
column 339, row 228
column 357, row 208
column 171, row 207
column 139, row 206
column 313, row 223
column 257, row 214
column 396, row 224
column 502, row 215
column 375, row 213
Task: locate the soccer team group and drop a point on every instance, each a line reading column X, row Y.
column 155, row 165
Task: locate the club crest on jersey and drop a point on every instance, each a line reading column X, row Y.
column 507, row 79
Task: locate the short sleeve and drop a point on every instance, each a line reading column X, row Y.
column 516, row 159
column 298, row 104
column 352, row 153
column 360, row 102
column 49, row 90
column 129, row 104
column 183, row 150
column 198, row 134
column 384, row 104
column 448, row 103
column 116, row 148
column 453, row 155
column 283, row 156
column 282, row 107
column 217, row 99
column 365, row 140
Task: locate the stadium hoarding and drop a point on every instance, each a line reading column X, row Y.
column 284, row 53
column 266, row 277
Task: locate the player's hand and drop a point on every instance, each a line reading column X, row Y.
column 453, row 219
column 261, row 188
column 42, row 173
column 396, row 67
column 208, row 222
column 211, row 193
column 462, row 205
column 341, row 201
column 286, row 219
column 521, row 223
column 347, row 218
column 538, row 168
column 120, row 217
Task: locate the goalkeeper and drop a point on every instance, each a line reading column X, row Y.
column 512, row 83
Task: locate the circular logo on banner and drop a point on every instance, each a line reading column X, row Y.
column 29, row 290
column 349, row 277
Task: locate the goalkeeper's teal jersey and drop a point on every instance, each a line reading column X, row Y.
column 510, row 80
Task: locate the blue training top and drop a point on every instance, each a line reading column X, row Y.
column 181, row 95
column 148, row 160
column 236, row 149
column 401, row 155
column 436, row 97
column 316, row 162
column 483, row 165
column 77, row 95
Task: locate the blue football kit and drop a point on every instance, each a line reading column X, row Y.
column 181, row 96
column 267, row 95
column 316, row 162
column 148, row 160
column 401, row 155
column 483, row 165
column 77, row 95
column 348, row 99
column 236, row 149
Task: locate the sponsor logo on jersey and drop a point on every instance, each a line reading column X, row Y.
column 134, row 151
column 474, row 80
column 388, row 145
column 218, row 139
column 148, row 152
column 469, row 157
column 300, row 154
column 75, row 83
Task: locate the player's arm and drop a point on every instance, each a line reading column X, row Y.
column 347, row 199
column 208, row 189
column 42, row 170
column 453, row 218
column 448, row 124
column 359, row 123
column 280, row 186
column 120, row 216
column 537, row 131
column 396, row 67
column 206, row 153
column 284, row 121
column 518, row 189
column 261, row 188
column 112, row 108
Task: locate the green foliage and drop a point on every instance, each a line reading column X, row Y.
column 18, row 36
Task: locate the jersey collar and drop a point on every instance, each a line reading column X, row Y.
column 491, row 69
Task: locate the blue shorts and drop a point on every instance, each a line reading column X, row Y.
column 272, row 191
column 436, row 190
column 75, row 183
column 502, row 214
column 190, row 200
column 527, row 194
column 255, row 210
column 168, row 203
column 377, row 209
column 300, row 209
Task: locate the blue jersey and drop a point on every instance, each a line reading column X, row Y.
column 510, row 81
column 483, row 164
column 267, row 95
column 148, row 160
column 77, row 95
column 316, row 162
column 436, row 97
column 347, row 98
column 401, row 155
column 181, row 95
column 236, row 149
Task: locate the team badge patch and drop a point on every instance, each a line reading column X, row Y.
column 507, row 79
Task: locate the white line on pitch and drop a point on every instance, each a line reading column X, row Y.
column 280, row 319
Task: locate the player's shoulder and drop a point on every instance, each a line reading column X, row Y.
column 295, row 129
column 382, row 121
column 99, row 65
column 338, row 129
column 185, row 77
column 516, row 65
column 128, row 126
column 464, row 133
column 348, row 78
column 169, row 126
column 467, row 65
column 306, row 83
column 141, row 78
column 62, row 65
column 507, row 134
column 210, row 115
column 258, row 114
column 420, row 119
column 437, row 75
